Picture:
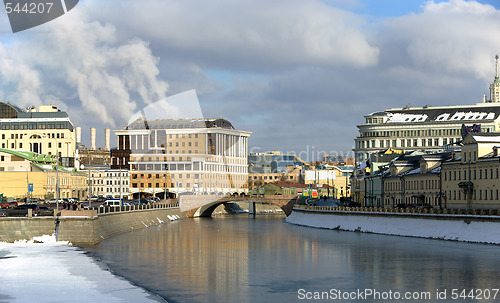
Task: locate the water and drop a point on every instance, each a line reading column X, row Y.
column 242, row 259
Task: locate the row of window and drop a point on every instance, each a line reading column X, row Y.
column 36, row 125
column 481, row 194
column 49, row 135
column 414, row 133
column 431, row 142
column 479, row 173
column 110, row 182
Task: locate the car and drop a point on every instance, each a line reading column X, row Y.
column 422, row 206
column 45, row 211
column 114, row 203
column 8, row 204
column 3, row 213
column 400, row 206
column 22, row 210
column 351, row 204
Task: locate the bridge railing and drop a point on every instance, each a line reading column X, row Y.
column 474, row 212
column 116, row 209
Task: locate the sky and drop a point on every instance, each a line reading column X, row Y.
column 299, row 74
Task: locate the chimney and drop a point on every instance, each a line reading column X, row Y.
column 78, row 134
column 107, row 136
column 92, row 138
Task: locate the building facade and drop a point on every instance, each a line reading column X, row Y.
column 184, row 155
column 428, row 128
column 46, row 130
column 472, row 181
column 19, row 169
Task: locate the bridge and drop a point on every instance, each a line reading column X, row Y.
column 204, row 205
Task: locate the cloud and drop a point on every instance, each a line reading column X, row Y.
column 83, row 63
column 249, row 35
column 450, row 37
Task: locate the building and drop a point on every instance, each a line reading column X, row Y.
column 183, row 155
column 19, row 169
column 273, row 162
column 274, row 167
column 428, row 128
column 415, row 178
column 471, row 181
column 46, row 130
column 334, row 176
column 256, row 180
column 117, row 183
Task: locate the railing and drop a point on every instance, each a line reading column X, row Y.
column 116, row 209
column 474, row 212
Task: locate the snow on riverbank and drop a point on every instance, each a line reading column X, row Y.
column 58, row 272
column 458, row 230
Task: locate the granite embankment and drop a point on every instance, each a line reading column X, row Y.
column 85, row 227
column 457, row 227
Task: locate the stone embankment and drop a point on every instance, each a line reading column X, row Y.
column 88, row 227
column 448, row 225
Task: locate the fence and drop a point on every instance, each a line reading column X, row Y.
column 474, row 212
column 116, row 209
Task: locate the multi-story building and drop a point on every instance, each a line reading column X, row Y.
column 255, row 180
column 46, row 130
column 19, row 169
column 415, row 178
column 335, row 176
column 274, row 167
column 183, row 155
column 117, row 183
column 428, row 128
column 471, row 181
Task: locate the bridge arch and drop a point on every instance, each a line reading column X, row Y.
column 194, row 207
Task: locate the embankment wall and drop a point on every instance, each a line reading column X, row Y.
column 83, row 230
column 480, row 229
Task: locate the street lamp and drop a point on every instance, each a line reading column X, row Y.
column 57, row 171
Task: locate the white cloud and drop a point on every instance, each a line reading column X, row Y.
column 452, row 37
column 251, row 35
column 72, row 54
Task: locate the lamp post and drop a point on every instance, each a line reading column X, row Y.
column 57, row 171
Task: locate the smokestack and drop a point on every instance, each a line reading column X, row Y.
column 92, row 138
column 78, row 134
column 107, row 136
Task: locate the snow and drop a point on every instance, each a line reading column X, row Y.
column 43, row 270
column 451, row 229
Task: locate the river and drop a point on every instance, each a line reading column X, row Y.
column 238, row 258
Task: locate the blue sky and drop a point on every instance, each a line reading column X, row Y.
column 299, row 74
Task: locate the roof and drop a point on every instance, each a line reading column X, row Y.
column 31, row 156
column 466, row 113
column 179, row 124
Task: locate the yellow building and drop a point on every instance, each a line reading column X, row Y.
column 335, row 176
column 46, row 130
column 19, row 169
column 472, row 180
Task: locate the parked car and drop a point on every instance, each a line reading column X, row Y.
column 351, row 204
column 114, row 203
column 3, row 213
column 45, row 211
column 8, row 205
column 421, row 206
column 22, row 210
column 401, row 206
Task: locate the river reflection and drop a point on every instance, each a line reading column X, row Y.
column 242, row 259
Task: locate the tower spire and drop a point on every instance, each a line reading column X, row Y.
column 496, row 59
